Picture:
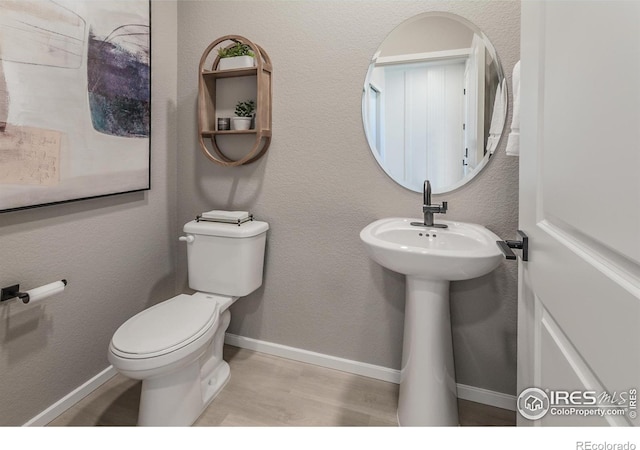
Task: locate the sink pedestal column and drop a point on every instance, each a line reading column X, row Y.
column 428, row 395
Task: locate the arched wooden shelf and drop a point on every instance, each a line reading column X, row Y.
column 207, row 130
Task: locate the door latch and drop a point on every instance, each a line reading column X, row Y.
column 522, row 244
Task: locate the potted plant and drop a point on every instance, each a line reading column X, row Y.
column 237, row 56
column 244, row 115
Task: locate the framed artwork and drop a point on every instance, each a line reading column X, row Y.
column 75, row 100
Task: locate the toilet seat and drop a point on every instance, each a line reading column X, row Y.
column 166, row 327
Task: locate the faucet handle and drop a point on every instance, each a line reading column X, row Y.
column 426, row 193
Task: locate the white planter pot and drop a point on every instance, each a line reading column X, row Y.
column 236, row 62
column 242, row 123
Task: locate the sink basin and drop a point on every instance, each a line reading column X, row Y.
column 430, row 258
column 459, row 252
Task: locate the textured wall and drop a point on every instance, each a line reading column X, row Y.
column 118, row 254
column 319, row 185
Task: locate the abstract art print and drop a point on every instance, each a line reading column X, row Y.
column 75, row 100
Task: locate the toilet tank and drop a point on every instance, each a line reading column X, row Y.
column 226, row 259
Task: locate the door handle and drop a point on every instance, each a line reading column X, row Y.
column 523, row 244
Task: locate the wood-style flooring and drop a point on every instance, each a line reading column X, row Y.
column 266, row 390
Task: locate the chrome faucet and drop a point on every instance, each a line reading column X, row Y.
column 429, row 210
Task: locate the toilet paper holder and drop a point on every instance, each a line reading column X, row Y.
column 13, row 292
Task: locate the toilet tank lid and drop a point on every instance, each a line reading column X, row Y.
column 247, row 229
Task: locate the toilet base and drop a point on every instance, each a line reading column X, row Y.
column 178, row 398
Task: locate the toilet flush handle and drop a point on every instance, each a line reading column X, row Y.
column 188, row 239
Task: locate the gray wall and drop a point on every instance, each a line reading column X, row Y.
column 318, row 185
column 118, row 254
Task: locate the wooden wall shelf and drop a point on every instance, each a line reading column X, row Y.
column 207, row 86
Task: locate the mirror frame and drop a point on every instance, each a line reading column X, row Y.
column 501, row 79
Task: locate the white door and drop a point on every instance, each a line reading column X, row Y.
column 579, row 300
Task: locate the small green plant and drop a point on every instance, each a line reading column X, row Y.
column 245, row 109
column 238, row 49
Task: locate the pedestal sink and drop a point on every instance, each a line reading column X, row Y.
column 430, row 258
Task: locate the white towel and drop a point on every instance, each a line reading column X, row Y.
column 497, row 117
column 225, row 215
column 513, row 143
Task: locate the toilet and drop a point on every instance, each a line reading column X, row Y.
column 175, row 347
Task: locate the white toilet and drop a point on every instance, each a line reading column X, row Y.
column 175, row 347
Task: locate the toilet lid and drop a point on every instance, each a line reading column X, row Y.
column 167, row 326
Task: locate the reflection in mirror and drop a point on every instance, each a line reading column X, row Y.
column 434, row 102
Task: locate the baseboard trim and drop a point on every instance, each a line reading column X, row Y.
column 71, row 398
column 319, row 359
column 465, row 392
column 486, row 397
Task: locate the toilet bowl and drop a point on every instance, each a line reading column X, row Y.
column 175, row 347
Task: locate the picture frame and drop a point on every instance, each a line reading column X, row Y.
column 75, row 100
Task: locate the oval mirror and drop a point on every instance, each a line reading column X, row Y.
column 434, row 102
